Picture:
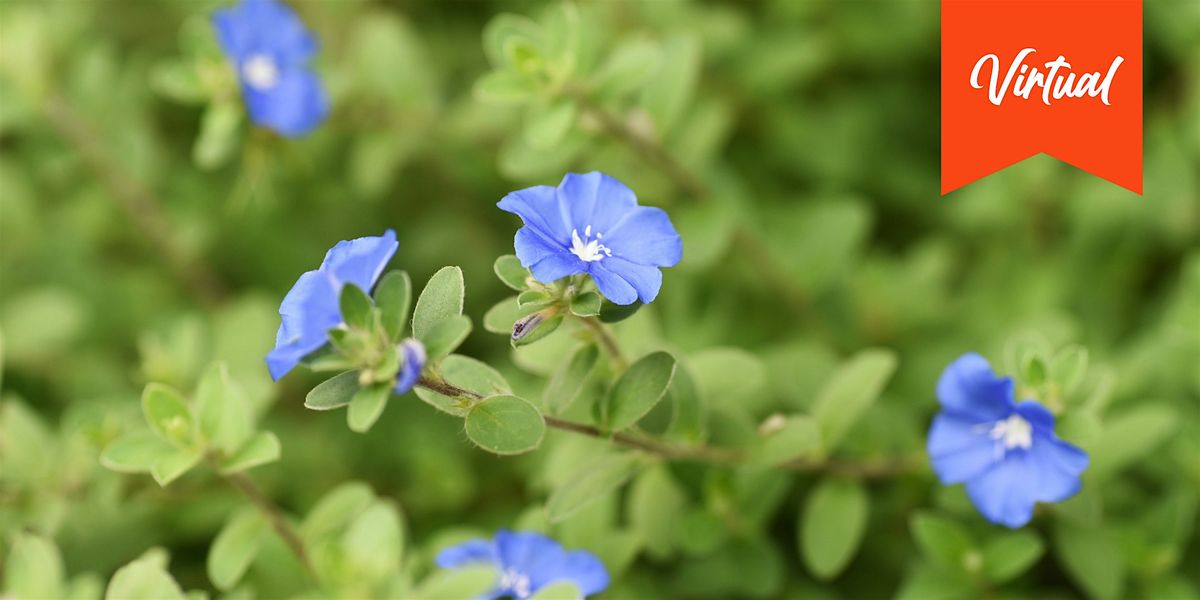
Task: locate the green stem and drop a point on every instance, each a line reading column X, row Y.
column 275, row 517
column 604, row 337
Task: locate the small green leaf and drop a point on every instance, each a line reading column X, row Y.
column 219, row 134
column 367, row 406
column 533, row 298
column 615, row 313
column 563, row 590
column 942, row 540
column 1011, row 554
column 832, row 526
column 689, row 422
column 235, row 548
column 393, row 295
column 441, row 299
column 135, row 452
column 1132, row 435
column 656, row 505
column 224, row 415
column 1092, row 558
column 465, row 582
column 628, row 67
column 1068, row 368
column 505, row 87
column 173, row 464
column 850, row 391
column 505, row 28
column 568, row 380
column 355, row 306
column 1033, row 370
column 505, row 425
column 545, row 126
column 34, row 568
column 927, row 583
column 143, row 579
column 335, row 509
column 465, row 373
column 510, row 272
column 374, row 542
column 500, row 318
column 591, row 484
column 795, row 437
column 167, row 413
column 335, row 392
column 445, row 337
column 637, row 391
column 586, row 305
column 261, row 449
column 669, row 91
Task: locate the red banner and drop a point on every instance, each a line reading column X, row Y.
column 1022, row 77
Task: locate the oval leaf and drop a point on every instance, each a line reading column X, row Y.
column 234, row 549
column 167, row 413
column 637, row 391
column 505, row 425
column 441, row 299
column 850, row 392
column 832, row 527
column 335, row 392
column 393, row 294
column 261, row 449
column 591, row 484
column 367, row 406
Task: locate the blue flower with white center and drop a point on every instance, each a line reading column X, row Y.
column 270, row 47
column 1006, row 453
column 592, row 224
column 311, row 308
column 527, row 562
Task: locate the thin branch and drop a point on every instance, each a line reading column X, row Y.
column 141, row 207
column 275, row 516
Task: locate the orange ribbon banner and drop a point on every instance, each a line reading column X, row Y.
column 1022, row 77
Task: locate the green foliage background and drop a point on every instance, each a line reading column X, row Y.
column 147, row 230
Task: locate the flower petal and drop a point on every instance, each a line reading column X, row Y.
column 594, row 199
column 547, row 261
column 525, row 551
column 1037, row 415
column 413, row 361
column 611, row 285
column 646, row 280
column 959, row 448
column 292, row 107
column 1004, row 494
column 645, row 235
column 580, row 567
column 308, row 311
column 467, row 553
column 1055, row 467
column 360, row 261
column 539, row 208
column 970, row 388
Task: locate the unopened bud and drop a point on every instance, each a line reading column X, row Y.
column 535, row 326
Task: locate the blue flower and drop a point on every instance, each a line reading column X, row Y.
column 1006, row 453
column 527, row 562
column 311, row 308
column 269, row 47
column 412, row 360
column 592, row 224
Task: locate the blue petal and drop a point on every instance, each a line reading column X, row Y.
column 360, row 261
column 1005, row 494
column 548, row 261
column 293, row 107
column 1055, row 467
column 414, row 361
column 970, row 388
column 645, row 280
column 579, row 567
column 539, row 208
column 467, row 553
column 594, row 200
column 646, row 236
column 960, row 448
column 1037, row 415
column 524, row 551
column 263, row 27
column 611, row 285
column 308, row 311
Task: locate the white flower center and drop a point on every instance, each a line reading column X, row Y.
column 1013, row 432
column 587, row 249
column 260, row 72
column 513, row 581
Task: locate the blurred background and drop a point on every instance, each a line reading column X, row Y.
column 146, row 229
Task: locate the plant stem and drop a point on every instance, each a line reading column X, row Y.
column 879, row 469
column 275, row 516
column 606, row 340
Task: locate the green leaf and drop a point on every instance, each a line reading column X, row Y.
column 219, row 134
column 942, row 540
column 534, row 298
column 135, row 452
column 445, row 337
column 656, row 505
column 235, row 548
column 669, row 91
column 505, row 425
column 586, row 305
column 335, row 509
column 34, row 568
column 569, row 379
column 850, row 391
column 167, row 413
column 465, row 373
column 832, row 526
column 534, row 327
column 335, row 392
column 367, row 406
column 1033, row 370
column 374, row 542
column 562, row 590
column 261, row 449
column 592, row 483
column 689, row 422
column 934, row 584
column 500, row 318
column 505, row 28
column 628, row 67
column 545, row 126
column 505, row 88
column 173, row 464
column 355, row 306
column 393, row 295
column 224, row 415
column 1011, row 554
column 637, row 391
column 796, row 437
column 465, row 582
column 615, row 313
column 1132, row 435
column 1092, row 558
column 731, row 378
column 441, row 299
column 143, row 579
column 510, row 272
column 1068, row 368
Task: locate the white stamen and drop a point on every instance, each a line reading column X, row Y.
column 260, row 72
column 587, row 249
column 1013, row 432
column 513, row 581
